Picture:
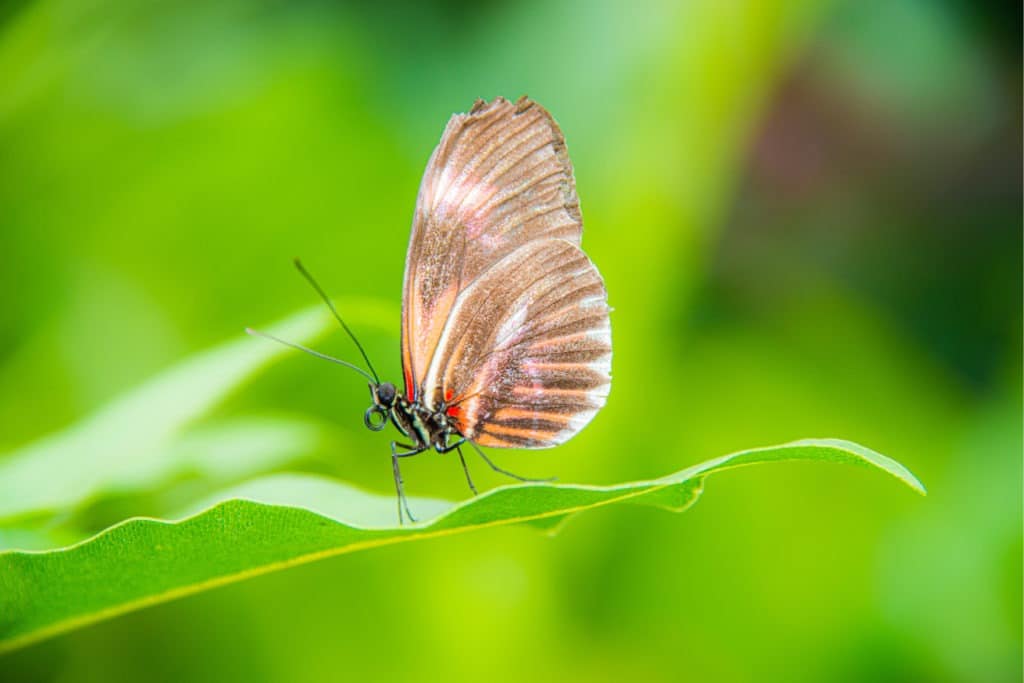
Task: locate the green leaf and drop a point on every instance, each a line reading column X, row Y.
column 288, row 520
column 133, row 443
column 202, row 459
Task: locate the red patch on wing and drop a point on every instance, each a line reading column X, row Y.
column 452, row 411
column 409, row 388
column 455, row 413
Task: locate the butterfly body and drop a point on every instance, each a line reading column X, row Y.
column 425, row 427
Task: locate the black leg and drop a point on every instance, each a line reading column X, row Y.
column 469, row 479
column 455, row 447
column 410, row 450
column 450, row 447
column 398, row 486
column 402, row 501
column 505, row 472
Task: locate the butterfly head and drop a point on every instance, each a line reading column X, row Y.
column 383, row 394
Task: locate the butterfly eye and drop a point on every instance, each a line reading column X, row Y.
column 386, row 393
column 375, row 418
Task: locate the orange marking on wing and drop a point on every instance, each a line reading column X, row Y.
column 494, row 441
column 522, row 413
column 501, row 430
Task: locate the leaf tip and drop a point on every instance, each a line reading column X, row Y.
column 916, row 484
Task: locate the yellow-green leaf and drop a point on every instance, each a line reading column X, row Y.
column 283, row 521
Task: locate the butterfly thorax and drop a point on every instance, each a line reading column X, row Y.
column 425, row 427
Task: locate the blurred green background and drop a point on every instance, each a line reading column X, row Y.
column 808, row 215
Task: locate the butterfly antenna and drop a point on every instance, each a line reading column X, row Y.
column 299, row 347
column 330, row 305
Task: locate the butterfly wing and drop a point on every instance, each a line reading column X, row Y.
column 525, row 359
column 499, row 179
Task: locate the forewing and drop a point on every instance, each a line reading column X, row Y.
column 525, row 359
column 499, row 179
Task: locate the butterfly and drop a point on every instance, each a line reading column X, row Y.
column 506, row 340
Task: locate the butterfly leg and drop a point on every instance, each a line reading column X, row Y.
column 455, row 447
column 469, row 479
column 501, row 471
column 403, row 502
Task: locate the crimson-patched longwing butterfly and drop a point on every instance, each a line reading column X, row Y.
column 505, row 335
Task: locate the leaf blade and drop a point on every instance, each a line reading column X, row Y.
column 143, row 562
